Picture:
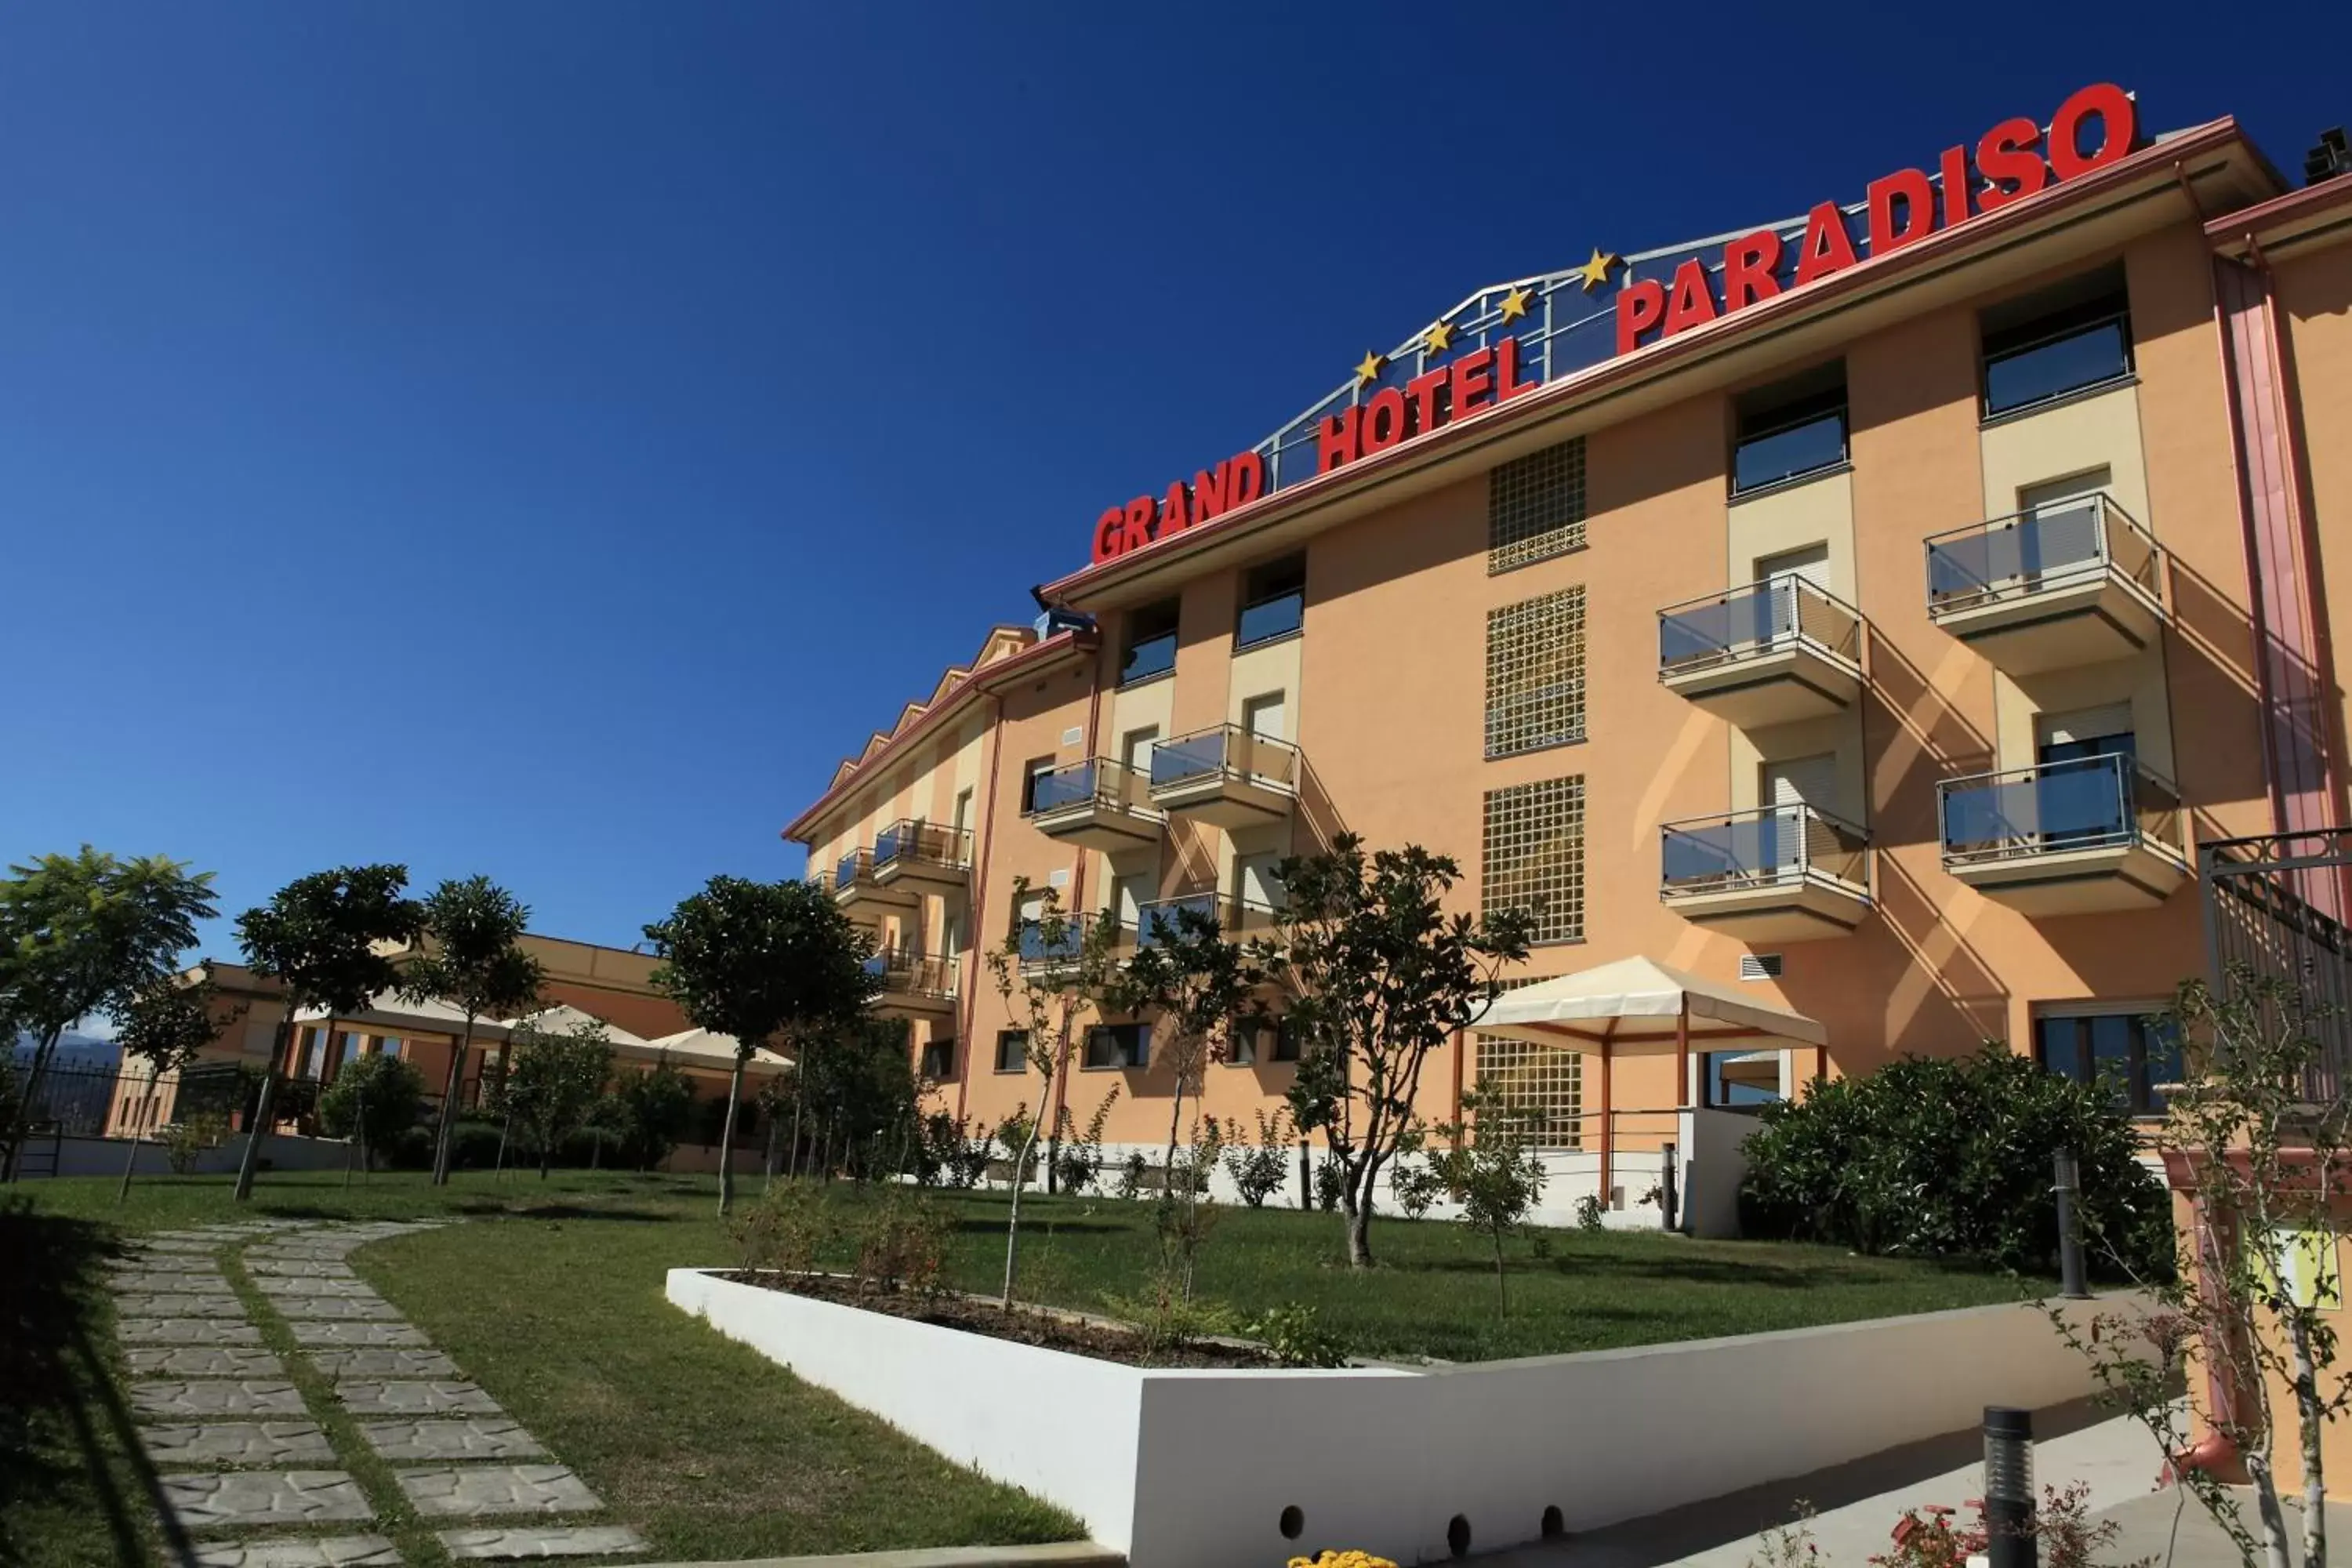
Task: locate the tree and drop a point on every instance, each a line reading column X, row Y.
column 82, row 934
column 1379, row 976
column 553, row 1081
column 767, row 962
column 166, row 1022
column 373, row 1100
column 2261, row 1137
column 1197, row 985
column 1490, row 1170
column 320, row 937
column 473, row 961
column 652, row 1108
column 1053, row 971
column 857, row 1089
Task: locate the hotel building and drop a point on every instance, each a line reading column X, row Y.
column 1865, row 620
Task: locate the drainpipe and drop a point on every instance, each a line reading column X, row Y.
column 968, row 999
column 1077, row 904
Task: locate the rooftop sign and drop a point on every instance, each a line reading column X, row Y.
column 1509, row 339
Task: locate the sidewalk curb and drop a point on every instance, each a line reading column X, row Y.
column 1060, row 1555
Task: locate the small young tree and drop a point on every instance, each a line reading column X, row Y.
column 318, row 937
column 1197, row 986
column 1053, row 972
column 82, row 934
column 166, row 1023
column 768, row 962
column 375, row 1099
column 553, row 1081
column 473, row 959
column 1379, row 976
column 1490, row 1170
column 2263, row 1141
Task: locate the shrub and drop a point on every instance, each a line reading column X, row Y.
column 187, row 1138
column 412, row 1151
column 902, row 1246
column 1166, row 1320
column 1417, row 1186
column 474, row 1143
column 375, row 1098
column 1330, row 1182
column 787, row 1230
column 1589, row 1213
column 1951, row 1158
column 1259, row 1170
column 1297, row 1336
column 1134, row 1175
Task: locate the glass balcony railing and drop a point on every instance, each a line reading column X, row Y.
column 1065, row 943
column 1764, row 617
column 1275, row 616
column 1226, row 752
column 2062, row 545
column 1152, row 656
column 2086, row 803
column 1098, row 782
column 1164, row 920
column 911, row 841
column 1774, row 846
column 907, row 972
column 852, row 868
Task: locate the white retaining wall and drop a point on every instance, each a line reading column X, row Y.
column 1196, row 1469
column 105, row 1156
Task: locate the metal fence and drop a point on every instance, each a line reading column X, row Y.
column 2276, row 906
column 72, row 1102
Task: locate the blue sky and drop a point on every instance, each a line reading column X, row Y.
column 539, row 439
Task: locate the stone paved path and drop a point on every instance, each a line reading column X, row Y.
column 255, row 1475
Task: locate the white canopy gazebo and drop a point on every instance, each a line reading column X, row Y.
column 708, row 1049
column 1637, row 1004
column 389, row 1013
column 563, row 1017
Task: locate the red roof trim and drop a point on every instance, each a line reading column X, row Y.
column 2294, row 204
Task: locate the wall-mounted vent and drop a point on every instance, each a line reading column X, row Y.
column 1760, row 966
column 1073, row 735
column 1061, row 879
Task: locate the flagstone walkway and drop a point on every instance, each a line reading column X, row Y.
column 256, row 1472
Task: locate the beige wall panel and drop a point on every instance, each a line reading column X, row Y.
column 1816, row 512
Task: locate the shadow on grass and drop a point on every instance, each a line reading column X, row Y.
column 523, row 1210
column 69, row 1445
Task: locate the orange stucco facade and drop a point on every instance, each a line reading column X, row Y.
column 1387, row 690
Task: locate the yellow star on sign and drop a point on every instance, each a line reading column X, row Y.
column 1438, row 339
column 1595, row 272
column 1515, row 304
column 1370, row 371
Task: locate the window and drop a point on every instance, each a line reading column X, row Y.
column 1241, row 1042
column 938, row 1056
column 1790, row 428
column 1284, row 1046
column 1012, row 1050
column 1113, row 1045
column 2056, row 341
column 2132, row 1054
column 1031, row 772
column 1542, row 1087
column 1535, row 506
column 962, row 812
column 1741, row 1080
column 1150, row 643
column 1534, row 673
column 1273, row 601
column 1533, row 855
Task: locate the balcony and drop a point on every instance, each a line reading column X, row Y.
column 1039, row 954
column 1769, row 652
column 1163, row 919
column 922, row 856
column 915, row 985
column 856, row 889
column 2063, row 838
column 1226, row 777
column 1099, row 803
column 2050, row 588
column 1786, row 873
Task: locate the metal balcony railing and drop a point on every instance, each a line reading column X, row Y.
column 911, row 840
column 906, row 971
column 1098, row 781
column 1229, row 752
column 1163, row 919
column 2042, row 549
column 1774, row 846
column 1770, row 617
column 2086, row 803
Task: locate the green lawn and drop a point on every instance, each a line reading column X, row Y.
column 553, row 1300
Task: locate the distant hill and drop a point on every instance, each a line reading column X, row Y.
column 75, row 1052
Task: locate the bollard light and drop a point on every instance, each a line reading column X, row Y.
column 2009, row 1488
column 2069, row 1186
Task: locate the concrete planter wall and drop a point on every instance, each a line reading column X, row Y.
column 1185, row 1468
